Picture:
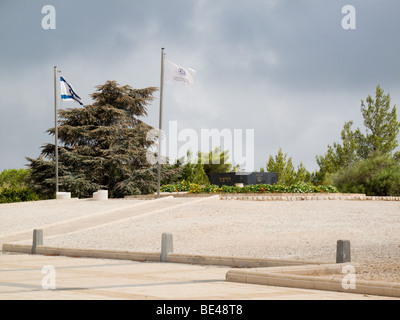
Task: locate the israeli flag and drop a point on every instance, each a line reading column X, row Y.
column 68, row 93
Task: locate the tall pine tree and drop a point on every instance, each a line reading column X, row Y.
column 103, row 146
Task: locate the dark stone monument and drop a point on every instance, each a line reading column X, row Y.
column 231, row 178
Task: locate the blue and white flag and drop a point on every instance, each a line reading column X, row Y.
column 68, row 93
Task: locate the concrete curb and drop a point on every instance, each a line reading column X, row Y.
column 310, row 277
column 232, row 261
column 303, row 197
column 152, row 256
column 272, row 196
column 83, row 253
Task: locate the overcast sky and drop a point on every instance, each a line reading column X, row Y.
column 286, row 69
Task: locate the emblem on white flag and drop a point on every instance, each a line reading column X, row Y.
column 175, row 74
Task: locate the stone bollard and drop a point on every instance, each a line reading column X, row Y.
column 37, row 239
column 343, row 251
column 63, row 195
column 166, row 246
column 100, row 195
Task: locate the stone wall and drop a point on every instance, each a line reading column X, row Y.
column 271, row 196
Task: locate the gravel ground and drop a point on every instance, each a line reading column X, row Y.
column 29, row 215
column 295, row 230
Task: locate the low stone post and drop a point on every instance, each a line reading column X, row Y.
column 166, row 246
column 343, row 251
column 37, row 239
column 100, row 195
column 63, row 195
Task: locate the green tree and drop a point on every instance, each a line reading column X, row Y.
column 287, row 174
column 103, row 146
column 382, row 128
column 14, row 178
column 215, row 161
column 198, row 171
column 340, row 155
column 193, row 171
column 14, row 186
column 378, row 175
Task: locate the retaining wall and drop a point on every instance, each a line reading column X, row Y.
column 271, row 196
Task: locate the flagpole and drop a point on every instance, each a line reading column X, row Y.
column 160, row 124
column 56, row 126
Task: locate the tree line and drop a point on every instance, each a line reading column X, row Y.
column 364, row 161
column 103, row 146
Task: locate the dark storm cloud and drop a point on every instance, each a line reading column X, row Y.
column 284, row 68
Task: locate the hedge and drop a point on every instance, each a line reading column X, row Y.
column 258, row 188
column 9, row 195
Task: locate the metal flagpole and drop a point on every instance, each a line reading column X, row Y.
column 160, row 124
column 56, row 126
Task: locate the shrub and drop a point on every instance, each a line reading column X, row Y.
column 14, row 186
column 375, row 176
column 13, row 178
column 9, row 195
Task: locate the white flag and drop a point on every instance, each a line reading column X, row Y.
column 175, row 74
column 67, row 92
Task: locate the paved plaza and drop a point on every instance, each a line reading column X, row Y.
column 85, row 222
column 29, row 277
